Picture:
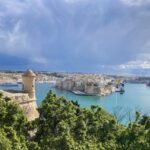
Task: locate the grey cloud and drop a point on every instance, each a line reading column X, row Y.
column 85, row 35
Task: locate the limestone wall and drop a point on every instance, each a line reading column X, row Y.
column 30, row 110
column 29, row 105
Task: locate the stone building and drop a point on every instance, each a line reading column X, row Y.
column 25, row 98
column 92, row 88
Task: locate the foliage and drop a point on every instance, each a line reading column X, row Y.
column 14, row 126
column 63, row 125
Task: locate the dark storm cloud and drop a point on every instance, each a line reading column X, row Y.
column 76, row 35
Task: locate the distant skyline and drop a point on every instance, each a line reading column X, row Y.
column 95, row 36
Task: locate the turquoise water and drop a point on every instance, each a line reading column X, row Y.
column 136, row 97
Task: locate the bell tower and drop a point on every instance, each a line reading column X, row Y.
column 28, row 80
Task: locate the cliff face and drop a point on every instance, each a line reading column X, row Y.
column 29, row 105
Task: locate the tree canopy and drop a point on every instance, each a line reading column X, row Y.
column 63, row 125
column 14, row 127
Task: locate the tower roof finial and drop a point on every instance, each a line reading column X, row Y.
column 29, row 73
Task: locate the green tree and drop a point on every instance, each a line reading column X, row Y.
column 63, row 125
column 14, row 127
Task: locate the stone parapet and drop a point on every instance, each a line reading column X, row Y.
column 29, row 105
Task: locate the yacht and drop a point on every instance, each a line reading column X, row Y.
column 120, row 88
column 79, row 93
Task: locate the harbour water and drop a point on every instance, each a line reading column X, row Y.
column 135, row 98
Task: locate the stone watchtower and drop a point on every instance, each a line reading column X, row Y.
column 29, row 103
column 28, row 79
column 26, row 98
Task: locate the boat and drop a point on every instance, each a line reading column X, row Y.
column 120, row 89
column 9, row 84
column 122, row 84
column 79, row 93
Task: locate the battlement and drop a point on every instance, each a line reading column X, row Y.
column 25, row 98
column 28, row 105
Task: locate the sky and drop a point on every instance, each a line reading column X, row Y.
column 95, row 36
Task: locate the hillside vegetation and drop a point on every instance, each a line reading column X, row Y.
column 63, row 125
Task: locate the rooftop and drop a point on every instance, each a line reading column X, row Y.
column 29, row 73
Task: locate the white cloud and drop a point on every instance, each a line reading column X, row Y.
column 13, row 7
column 17, row 43
column 138, row 64
column 39, row 60
column 14, row 36
column 74, row 1
column 135, row 2
column 13, row 40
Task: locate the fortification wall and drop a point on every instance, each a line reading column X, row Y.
column 29, row 105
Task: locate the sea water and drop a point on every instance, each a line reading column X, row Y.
column 135, row 98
